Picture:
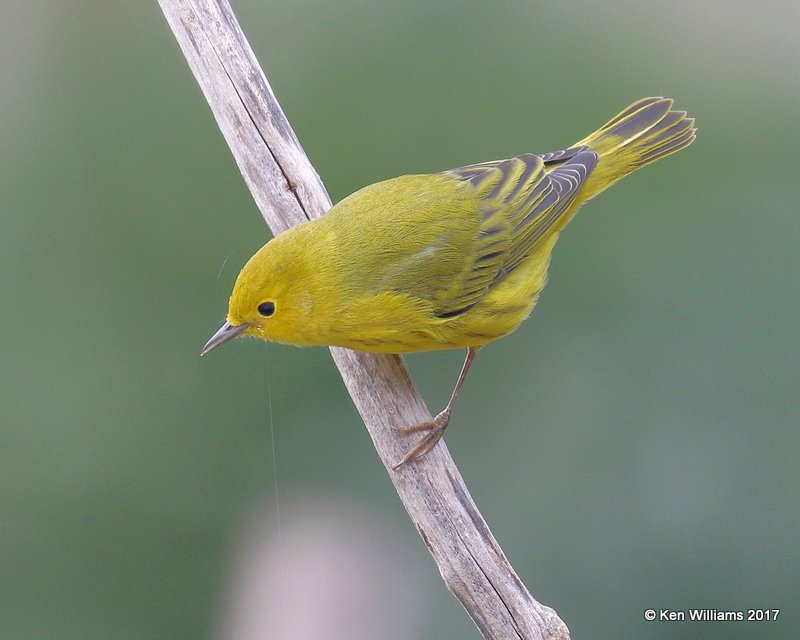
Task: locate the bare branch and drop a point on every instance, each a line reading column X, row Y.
column 288, row 190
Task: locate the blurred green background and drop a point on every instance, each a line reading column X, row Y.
column 633, row 445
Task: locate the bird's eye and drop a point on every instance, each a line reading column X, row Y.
column 266, row 309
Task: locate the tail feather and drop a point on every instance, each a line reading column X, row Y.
column 646, row 131
column 636, row 106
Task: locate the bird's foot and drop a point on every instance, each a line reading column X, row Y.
column 435, row 428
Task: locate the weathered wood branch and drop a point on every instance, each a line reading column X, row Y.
column 288, row 191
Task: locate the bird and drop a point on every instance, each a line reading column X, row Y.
column 447, row 260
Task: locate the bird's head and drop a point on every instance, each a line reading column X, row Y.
column 270, row 299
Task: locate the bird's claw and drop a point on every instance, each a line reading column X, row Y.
column 435, row 429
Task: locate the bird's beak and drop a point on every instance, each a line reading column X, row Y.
column 226, row 332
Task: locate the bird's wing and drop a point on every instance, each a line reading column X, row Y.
column 454, row 256
column 520, row 202
column 536, row 221
column 492, row 189
column 465, row 244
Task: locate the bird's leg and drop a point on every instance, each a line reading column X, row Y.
column 435, row 428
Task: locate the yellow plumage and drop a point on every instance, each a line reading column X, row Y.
column 439, row 261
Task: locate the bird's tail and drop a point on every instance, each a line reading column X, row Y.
column 646, row 131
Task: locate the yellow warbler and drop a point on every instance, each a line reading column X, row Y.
column 439, row 261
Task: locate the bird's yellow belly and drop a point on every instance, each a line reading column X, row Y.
column 393, row 323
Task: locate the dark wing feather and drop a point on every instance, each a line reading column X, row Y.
column 520, row 202
column 494, row 185
column 552, row 157
column 537, row 221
